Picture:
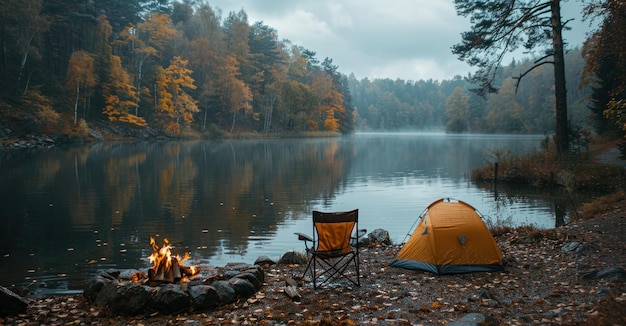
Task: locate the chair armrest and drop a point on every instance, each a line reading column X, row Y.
column 304, row 237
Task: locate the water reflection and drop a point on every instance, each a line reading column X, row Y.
column 67, row 213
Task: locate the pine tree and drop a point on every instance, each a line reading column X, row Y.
column 502, row 26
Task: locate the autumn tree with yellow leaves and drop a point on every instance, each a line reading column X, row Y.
column 175, row 107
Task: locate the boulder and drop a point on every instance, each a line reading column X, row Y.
column 575, row 247
column 615, row 273
column 126, row 299
column 264, row 260
column 170, row 299
column 243, row 288
column 95, row 285
column 225, row 291
column 256, row 271
column 292, row 257
column 256, row 283
column 204, row 297
column 379, row 236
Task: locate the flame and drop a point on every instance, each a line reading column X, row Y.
column 163, row 256
column 160, row 254
column 187, row 257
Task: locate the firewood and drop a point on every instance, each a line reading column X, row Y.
column 160, row 273
column 186, row 270
column 169, row 275
column 176, row 276
column 293, row 293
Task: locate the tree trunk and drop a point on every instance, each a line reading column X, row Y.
column 30, row 74
column 206, row 112
column 139, row 76
column 269, row 111
column 76, row 103
column 23, row 62
column 232, row 127
column 560, row 91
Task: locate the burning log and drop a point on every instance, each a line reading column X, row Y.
column 166, row 268
column 187, row 271
column 176, row 276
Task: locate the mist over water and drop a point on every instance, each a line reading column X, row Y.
column 68, row 213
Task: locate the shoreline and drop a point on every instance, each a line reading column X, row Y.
column 542, row 284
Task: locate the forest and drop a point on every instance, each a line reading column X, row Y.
column 160, row 65
column 527, row 108
column 185, row 69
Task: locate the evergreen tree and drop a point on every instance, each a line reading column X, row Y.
column 502, row 26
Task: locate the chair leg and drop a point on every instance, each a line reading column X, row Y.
column 357, row 265
column 307, row 269
column 335, row 269
column 314, row 273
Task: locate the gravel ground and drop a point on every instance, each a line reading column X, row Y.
column 541, row 285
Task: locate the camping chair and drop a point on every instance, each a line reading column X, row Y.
column 335, row 246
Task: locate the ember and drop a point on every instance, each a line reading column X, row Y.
column 167, row 268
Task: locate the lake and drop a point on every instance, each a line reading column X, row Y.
column 67, row 213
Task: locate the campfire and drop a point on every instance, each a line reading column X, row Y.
column 166, row 267
column 172, row 287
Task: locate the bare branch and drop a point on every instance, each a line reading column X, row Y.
column 519, row 79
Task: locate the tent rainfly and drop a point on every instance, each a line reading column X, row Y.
column 450, row 238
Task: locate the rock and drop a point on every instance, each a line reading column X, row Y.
column 11, row 303
column 231, row 273
column 616, row 273
column 379, row 236
column 95, row 285
column 114, row 273
column 475, row 319
column 250, row 278
column 575, row 247
column 236, row 266
column 243, row 288
column 225, row 291
column 130, row 274
column 204, row 297
column 292, row 257
column 527, row 240
column 257, row 271
column 364, row 242
column 170, row 299
column 264, row 260
column 127, row 299
column 485, row 294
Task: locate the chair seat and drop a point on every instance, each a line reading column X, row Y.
column 332, row 253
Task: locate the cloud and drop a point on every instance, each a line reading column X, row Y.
column 406, row 39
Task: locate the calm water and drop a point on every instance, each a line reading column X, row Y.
column 67, row 213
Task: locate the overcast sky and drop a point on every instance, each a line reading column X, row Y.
column 406, row 39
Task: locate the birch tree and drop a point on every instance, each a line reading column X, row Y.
column 80, row 75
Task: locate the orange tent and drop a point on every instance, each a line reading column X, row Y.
column 450, row 238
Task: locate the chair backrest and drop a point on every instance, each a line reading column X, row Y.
column 334, row 231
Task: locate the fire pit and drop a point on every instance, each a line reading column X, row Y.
column 171, row 287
